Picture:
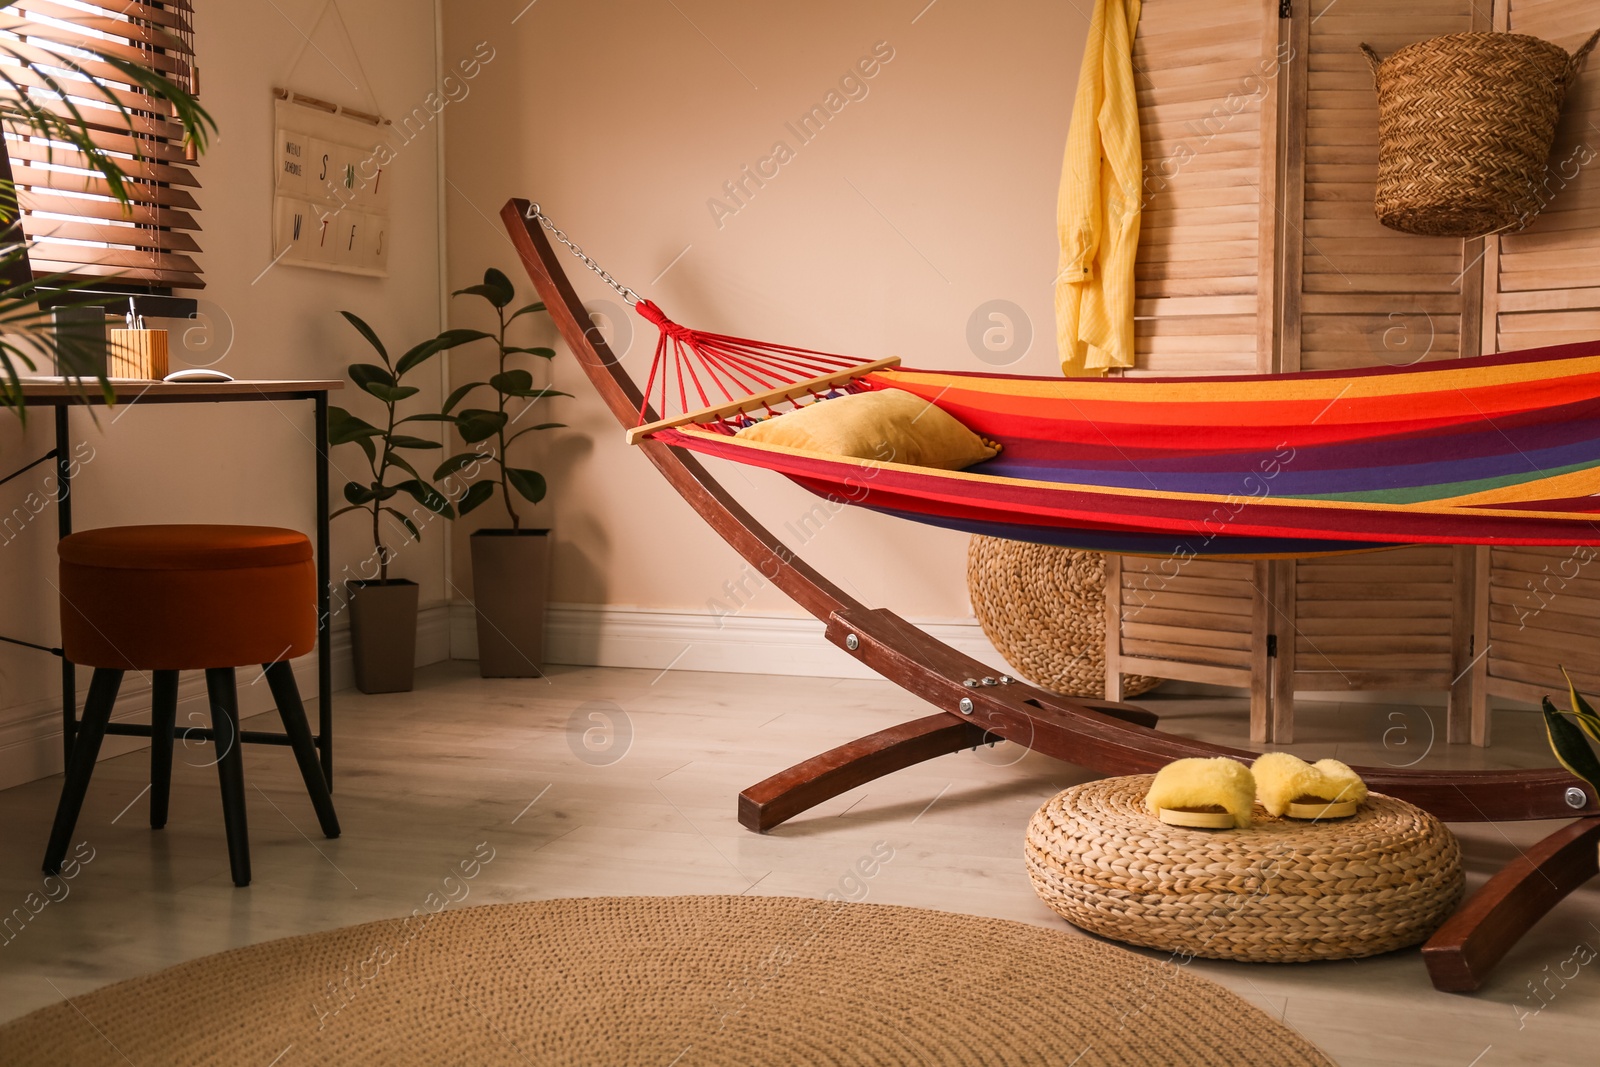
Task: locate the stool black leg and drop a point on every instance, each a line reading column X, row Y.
column 230, row 768
column 280, row 677
column 80, row 763
column 163, row 718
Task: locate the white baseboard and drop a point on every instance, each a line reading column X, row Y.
column 30, row 735
column 598, row 635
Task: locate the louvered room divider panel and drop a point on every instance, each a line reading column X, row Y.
column 1334, row 289
column 1539, row 609
column 1359, row 294
column 1207, row 78
column 1367, row 295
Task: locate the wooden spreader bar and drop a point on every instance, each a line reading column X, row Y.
column 761, row 401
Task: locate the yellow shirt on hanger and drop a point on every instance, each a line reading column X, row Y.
column 1100, row 203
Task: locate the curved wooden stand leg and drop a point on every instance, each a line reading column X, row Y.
column 805, row 785
column 1465, row 949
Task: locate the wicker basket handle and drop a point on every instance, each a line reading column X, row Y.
column 1579, row 56
column 1377, row 60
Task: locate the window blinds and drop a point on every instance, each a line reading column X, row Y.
column 77, row 225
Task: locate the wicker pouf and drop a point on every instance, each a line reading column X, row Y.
column 1280, row 891
column 1043, row 608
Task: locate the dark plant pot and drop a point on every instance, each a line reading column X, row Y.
column 383, row 634
column 510, row 581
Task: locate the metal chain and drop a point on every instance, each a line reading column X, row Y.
column 628, row 295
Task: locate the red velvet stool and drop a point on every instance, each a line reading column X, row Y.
column 166, row 599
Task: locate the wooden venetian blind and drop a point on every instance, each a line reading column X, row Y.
column 77, row 227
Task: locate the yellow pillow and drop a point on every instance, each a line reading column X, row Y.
column 889, row 425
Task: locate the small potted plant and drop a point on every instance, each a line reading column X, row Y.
column 383, row 610
column 1570, row 733
column 510, row 566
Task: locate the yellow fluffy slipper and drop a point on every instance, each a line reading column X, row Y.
column 1288, row 785
column 1212, row 794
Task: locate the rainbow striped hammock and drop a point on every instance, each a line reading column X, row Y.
column 1501, row 449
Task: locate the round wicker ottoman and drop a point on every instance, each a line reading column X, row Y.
column 1281, row 891
column 1044, row 609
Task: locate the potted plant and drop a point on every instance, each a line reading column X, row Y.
column 1570, row 733
column 510, row 566
column 383, row 610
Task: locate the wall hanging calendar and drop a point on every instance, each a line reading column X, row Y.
column 331, row 191
column 330, row 188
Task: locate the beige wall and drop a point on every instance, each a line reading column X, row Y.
column 242, row 463
column 916, row 204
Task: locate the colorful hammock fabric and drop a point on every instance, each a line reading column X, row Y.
column 1501, row 449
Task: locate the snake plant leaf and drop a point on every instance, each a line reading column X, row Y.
column 405, row 520
column 478, row 494
column 529, row 310
column 460, row 394
column 529, row 483
column 457, row 462
column 344, row 427
column 367, row 332
column 1570, row 746
column 428, row 497
column 479, row 424
column 1588, row 721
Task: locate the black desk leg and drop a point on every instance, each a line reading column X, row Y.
column 69, row 673
column 324, row 597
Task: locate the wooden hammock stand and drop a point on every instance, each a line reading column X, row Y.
column 1103, row 736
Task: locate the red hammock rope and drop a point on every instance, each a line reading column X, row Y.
column 714, row 367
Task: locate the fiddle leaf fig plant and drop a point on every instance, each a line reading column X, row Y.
column 515, row 395
column 384, row 445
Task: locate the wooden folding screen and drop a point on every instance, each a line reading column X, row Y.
column 1539, row 609
column 1277, row 105
column 1209, row 78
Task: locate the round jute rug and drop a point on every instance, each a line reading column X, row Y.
column 680, row 981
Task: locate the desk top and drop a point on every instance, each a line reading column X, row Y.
column 57, row 391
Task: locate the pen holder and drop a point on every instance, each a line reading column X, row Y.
column 138, row 354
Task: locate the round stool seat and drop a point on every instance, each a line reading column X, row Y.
column 1278, row 891
column 186, row 597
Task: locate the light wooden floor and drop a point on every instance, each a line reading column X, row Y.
column 424, row 778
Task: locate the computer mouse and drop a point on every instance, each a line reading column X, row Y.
column 198, row 374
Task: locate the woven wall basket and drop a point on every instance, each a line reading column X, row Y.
column 1281, row 891
column 1044, row 610
column 1465, row 126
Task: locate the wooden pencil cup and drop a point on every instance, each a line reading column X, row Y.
column 138, row 354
